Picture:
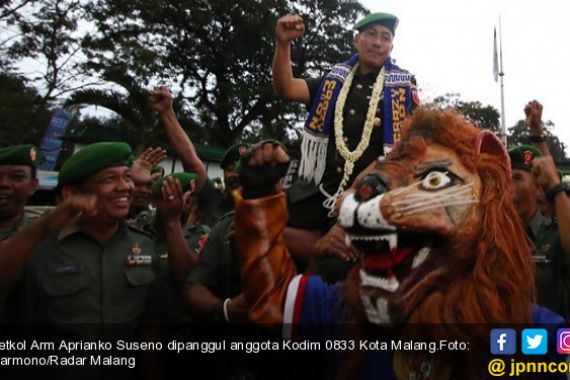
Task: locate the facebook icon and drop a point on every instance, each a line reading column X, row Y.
column 503, row 341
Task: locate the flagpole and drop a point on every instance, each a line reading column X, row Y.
column 501, row 75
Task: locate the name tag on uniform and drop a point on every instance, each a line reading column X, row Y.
column 138, row 260
column 65, row 269
column 541, row 259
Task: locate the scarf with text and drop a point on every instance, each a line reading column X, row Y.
column 398, row 92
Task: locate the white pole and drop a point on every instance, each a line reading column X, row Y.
column 501, row 75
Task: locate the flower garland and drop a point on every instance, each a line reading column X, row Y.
column 351, row 157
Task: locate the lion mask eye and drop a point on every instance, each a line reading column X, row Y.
column 436, row 180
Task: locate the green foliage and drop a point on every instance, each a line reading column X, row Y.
column 23, row 119
column 488, row 117
column 48, row 33
column 129, row 101
column 482, row 116
column 218, row 54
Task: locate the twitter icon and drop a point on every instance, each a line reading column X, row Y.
column 534, row 341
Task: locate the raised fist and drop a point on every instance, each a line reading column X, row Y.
column 262, row 166
column 160, row 99
column 533, row 112
column 289, row 28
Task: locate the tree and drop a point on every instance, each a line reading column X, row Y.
column 23, row 119
column 218, row 53
column 482, row 116
column 130, row 102
column 486, row 116
column 48, row 33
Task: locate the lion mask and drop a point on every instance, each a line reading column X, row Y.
column 438, row 236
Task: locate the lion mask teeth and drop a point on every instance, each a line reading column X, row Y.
column 389, row 284
column 391, row 239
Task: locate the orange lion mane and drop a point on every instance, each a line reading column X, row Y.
column 491, row 280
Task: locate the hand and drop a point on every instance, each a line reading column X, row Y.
column 533, row 112
column 142, row 166
column 70, row 211
column 161, row 99
column 262, row 167
column 238, row 309
column 546, row 173
column 172, row 202
column 334, row 244
column 289, row 28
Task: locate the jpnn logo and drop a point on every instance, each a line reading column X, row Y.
column 534, row 341
column 503, row 341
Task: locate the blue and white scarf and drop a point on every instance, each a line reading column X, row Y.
column 398, row 92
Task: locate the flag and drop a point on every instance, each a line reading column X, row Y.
column 495, row 57
column 51, row 143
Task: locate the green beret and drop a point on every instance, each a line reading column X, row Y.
column 184, row 178
column 522, row 157
column 233, row 154
column 386, row 19
column 93, row 158
column 19, row 155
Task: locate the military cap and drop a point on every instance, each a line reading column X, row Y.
column 184, row 178
column 386, row 19
column 233, row 154
column 93, row 158
column 19, row 155
column 522, row 157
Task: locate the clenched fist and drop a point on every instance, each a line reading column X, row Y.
column 261, row 169
column 289, row 28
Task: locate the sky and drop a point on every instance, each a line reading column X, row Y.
column 448, row 46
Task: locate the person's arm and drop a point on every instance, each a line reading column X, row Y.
column 332, row 244
column 533, row 112
column 266, row 266
column 288, row 28
column 142, row 167
column 202, row 303
column 161, row 102
column 180, row 257
column 301, row 243
column 15, row 251
column 547, row 177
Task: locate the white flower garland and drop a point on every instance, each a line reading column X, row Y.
column 351, row 157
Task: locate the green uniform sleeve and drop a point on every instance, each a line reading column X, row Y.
column 207, row 270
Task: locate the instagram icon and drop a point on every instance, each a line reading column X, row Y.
column 563, row 341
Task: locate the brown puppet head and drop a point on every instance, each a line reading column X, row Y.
column 439, row 240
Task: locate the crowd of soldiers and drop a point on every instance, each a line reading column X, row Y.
column 125, row 244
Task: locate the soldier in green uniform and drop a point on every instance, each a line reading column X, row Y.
column 532, row 174
column 81, row 262
column 213, row 203
column 171, row 195
column 18, row 182
column 140, row 214
column 178, row 245
column 213, row 288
